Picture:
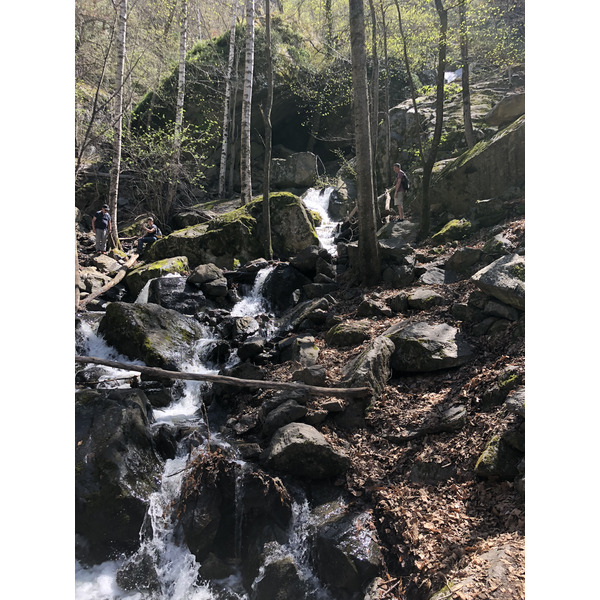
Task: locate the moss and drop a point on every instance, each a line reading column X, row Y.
column 518, row 271
column 455, row 229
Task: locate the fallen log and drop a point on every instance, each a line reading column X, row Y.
column 118, row 277
column 360, row 392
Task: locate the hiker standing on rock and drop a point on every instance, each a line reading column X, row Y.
column 101, row 225
column 399, row 191
column 149, row 229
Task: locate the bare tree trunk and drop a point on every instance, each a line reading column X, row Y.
column 227, row 105
column 466, row 90
column 115, row 173
column 176, row 161
column 439, row 118
column 374, row 93
column 369, row 264
column 268, row 136
column 246, row 161
column 234, row 134
column 328, row 29
column 387, row 169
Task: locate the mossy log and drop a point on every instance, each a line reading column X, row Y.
column 357, row 392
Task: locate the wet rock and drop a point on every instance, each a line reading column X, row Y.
column 347, row 556
column 117, row 468
column 158, row 336
column 311, row 311
column 280, row 578
column 282, row 287
column 139, row 572
column 177, row 294
column 137, row 278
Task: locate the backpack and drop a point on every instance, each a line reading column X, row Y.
column 158, row 233
column 404, row 182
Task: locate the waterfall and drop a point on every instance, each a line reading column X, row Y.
column 318, row 201
column 254, row 303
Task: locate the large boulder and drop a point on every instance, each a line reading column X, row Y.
column 492, row 168
column 117, row 467
column 283, row 287
column 348, row 557
column 504, row 279
column 300, row 449
column 177, row 294
column 371, row 368
column 237, row 236
column 507, row 110
column 159, row 336
column 296, row 171
column 422, row 347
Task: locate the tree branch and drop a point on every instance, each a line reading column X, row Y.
column 360, row 392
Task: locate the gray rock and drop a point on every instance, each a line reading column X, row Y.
column 504, row 279
column 507, row 110
column 348, row 334
column 463, row 258
column 371, row 368
column 422, row 347
column 297, row 171
column 423, row 299
column 300, row 449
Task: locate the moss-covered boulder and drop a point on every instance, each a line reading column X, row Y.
column 237, row 236
column 456, row 229
column 348, row 334
column 159, row 336
column 499, row 459
column 137, row 278
column 492, row 168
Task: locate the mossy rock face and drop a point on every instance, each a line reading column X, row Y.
column 159, row 336
column 237, row 236
column 499, row 459
column 457, row 229
column 137, row 278
column 492, row 168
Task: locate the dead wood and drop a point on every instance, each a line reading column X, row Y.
column 359, row 392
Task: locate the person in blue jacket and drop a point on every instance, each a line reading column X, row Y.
column 101, row 226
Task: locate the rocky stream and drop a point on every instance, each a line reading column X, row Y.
column 204, row 489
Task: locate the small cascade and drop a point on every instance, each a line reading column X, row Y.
column 318, row 201
column 254, row 303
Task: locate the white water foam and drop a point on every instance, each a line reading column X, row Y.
column 318, row 200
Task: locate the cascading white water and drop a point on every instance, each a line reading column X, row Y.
column 318, row 200
column 254, row 303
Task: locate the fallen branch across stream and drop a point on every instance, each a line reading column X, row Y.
column 359, row 392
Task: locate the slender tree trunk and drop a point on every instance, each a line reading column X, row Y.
column 439, row 118
column 226, row 107
column 113, row 193
column 374, row 96
column 328, row 29
column 176, row 161
column 233, row 136
column 387, row 168
column 369, row 264
column 466, row 90
column 268, row 136
column 246, row 159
